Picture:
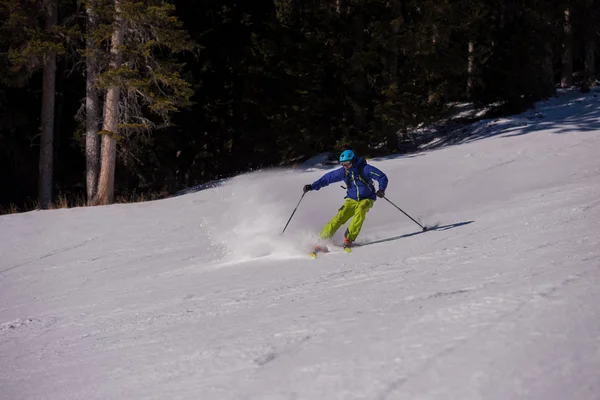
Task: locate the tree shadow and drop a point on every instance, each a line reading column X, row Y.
column 567, row 112
column 327, row 161
column 432, row 228
column 200, row 187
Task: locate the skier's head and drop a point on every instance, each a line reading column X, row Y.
column 347, row 158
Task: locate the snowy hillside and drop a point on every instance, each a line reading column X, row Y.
column 198, row 297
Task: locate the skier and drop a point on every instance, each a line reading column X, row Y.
column 360, row 197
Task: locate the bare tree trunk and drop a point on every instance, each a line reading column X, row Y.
column 106, row 183
column 567, row 56
column 47, row 115
column 470, row 69
column 93, row 110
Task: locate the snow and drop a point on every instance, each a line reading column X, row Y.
column 198, row 296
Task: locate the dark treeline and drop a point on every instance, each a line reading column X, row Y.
column 106, row 98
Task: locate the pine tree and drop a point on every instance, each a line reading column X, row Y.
column 567, row 54
column 36, row 40
column 45, row 179
column 106, row 181
column 142, row 80
column 589, row 20
column 93, row 102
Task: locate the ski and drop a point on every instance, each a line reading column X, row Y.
column 318, row 249
column 322, row 249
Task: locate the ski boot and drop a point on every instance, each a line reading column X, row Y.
column 347, row 245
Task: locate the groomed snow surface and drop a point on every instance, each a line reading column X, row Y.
column 199, row 297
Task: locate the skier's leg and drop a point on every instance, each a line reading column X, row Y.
column 344, row 214
column 360, row 214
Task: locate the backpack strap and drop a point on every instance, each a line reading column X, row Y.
column 365, row 179
column 361, row 176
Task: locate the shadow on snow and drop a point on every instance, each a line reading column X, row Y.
column 567, row 112
column 429, row 229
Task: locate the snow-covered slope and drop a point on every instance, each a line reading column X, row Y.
column 198, row 297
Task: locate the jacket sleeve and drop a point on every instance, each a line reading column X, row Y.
column 328, row 178
column 376, row 174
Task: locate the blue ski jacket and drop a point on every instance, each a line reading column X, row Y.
column 359, row 180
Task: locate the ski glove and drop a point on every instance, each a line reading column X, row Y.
column 307, row 188
column 380, row 193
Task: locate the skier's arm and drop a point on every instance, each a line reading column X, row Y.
column 328, row 178
column 374, row 173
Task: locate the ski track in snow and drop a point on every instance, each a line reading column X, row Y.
column 200, row 297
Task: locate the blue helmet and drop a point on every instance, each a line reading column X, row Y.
column 347, row 155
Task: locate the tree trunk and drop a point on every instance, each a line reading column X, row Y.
column 567, row 56
column 391, row 128
column 547, row 72
column 590, row 61
column 435, row 34
column 47, row 115
column 470, row 69
column 360, row 85
column 59, row 117
column 106, row 183
column 93, row 110
column 589, row 70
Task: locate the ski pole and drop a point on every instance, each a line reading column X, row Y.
column 423, row 227
column 286, row 225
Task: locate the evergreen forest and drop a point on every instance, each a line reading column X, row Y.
column 108, row 100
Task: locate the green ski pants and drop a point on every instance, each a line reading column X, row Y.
column 350, row 208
